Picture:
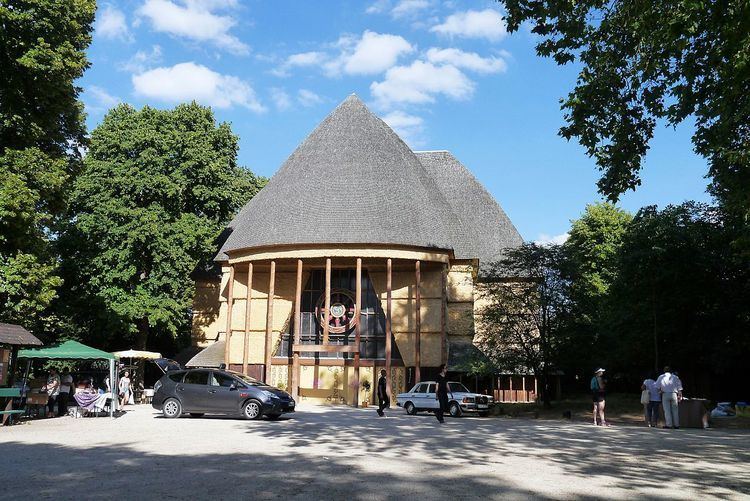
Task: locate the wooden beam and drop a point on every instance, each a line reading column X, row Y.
column 388, row 310
column 248, row 304
column 230, row 305
column 328, row 348
column 357, row 328
column 297, row 331
column 417, row 322
column 327, row 312
column 444, row 315
column 269, row 321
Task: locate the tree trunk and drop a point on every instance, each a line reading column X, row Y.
column 143, row 329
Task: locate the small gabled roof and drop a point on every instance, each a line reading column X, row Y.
column 352, row 180
column 16, row 335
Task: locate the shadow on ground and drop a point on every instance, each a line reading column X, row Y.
column 350, row 454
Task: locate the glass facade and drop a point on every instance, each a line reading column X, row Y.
column 343, row 286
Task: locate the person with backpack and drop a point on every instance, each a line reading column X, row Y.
column 598, row 385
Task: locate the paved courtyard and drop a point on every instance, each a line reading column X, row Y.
column 342, row 453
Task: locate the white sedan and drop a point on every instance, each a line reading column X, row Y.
column 460, row 399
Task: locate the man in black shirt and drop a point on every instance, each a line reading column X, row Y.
column 442, row 394
column 383, row 400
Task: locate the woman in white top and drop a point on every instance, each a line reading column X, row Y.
column 124, row 389
column 652, row 407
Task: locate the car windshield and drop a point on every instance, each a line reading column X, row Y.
column 247, row 379
column 458, row 388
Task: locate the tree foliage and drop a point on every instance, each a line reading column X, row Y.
column 42, row 53
column 526, row 306
column 646, row 61
column 680, row 294
column 158, row 187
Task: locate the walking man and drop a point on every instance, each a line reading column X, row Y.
column 66, row 386
column 442, row 394
column 670, row 387
column 383, row 400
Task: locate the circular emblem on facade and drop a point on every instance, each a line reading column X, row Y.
column 341, row 316
column 338, row 310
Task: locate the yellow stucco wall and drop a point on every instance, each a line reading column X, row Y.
column 317, row 384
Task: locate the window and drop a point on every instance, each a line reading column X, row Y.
column 422, row 388
column 457, row 388
column 431, row 388
column 196, row 377
column 177, row 378
column 219, row 379
column 371, row 319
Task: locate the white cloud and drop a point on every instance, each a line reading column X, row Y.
column 371, row 54
column 378, row 7
column 408, row 127
column 308, row 98
column 545, row 239
column 281, row 99
column 190, row 81
column 111, row 24
column 98, row 100
column 313, row 58
column 420, row 83
column 142, row 60
column 486, row 24
column 466, row 60
column 406, row 8
column 195, row 20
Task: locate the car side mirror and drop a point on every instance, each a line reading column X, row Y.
column 232, row 387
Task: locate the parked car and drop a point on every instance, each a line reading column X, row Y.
column 213, row 391
column 422, row 398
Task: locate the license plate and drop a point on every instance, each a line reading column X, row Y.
column 481, row 406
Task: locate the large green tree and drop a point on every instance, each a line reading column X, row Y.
column 680, row 298
column 592, row 250
column 643, row 62
column 158, row 187
column 523, row 319
column 42, row 53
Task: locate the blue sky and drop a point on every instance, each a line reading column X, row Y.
column 444, row 75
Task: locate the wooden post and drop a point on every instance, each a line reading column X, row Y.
column 444, row 315
column 297, row 331
column 269, row 321
column 418, row 324
column 510, row 391
column 523, row 387
column 248, row 303
column 327, row 312
column 357, row 328
column 388, row 333
column 230, row 305
column 536, row 388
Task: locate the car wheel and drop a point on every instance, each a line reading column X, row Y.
column 172, row 408
column 196, row 414
column 410, row 409
column 252, row 409
column 274, row 416
column 454, row 409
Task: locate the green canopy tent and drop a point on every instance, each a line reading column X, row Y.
column 73, row 350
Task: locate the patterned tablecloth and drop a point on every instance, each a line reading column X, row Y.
column 92, row 401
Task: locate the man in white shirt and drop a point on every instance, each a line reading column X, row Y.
column 670, row 387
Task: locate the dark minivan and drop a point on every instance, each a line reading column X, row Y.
column 214, row 391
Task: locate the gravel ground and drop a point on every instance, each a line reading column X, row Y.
column 344, row 453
